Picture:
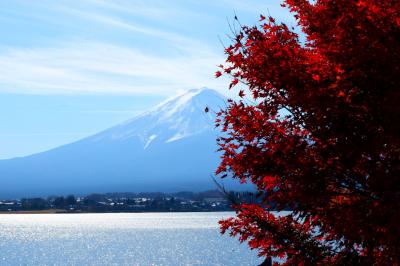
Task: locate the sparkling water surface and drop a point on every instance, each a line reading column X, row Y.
column 119, row 239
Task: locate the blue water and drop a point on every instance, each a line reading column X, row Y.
column 119, row 239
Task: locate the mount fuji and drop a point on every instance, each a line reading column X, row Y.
column 172, row 147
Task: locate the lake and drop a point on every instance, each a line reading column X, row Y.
column 119, row 239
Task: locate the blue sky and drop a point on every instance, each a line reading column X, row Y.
column 69, row 69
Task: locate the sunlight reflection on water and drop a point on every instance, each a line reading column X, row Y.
column 119, row 239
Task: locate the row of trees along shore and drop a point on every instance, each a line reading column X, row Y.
column 317, row 128
column 212, row 200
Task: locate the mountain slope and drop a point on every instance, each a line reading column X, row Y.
column 172, row 147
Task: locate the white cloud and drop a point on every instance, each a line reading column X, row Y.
column 155, row 9
column 95, row 67
column 144, row 48
column 119, row 23
column 176, row 61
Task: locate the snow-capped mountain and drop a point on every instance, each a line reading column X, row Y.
column 179, row 117
column 172, row 147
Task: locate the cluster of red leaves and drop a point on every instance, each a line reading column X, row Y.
column 323, row 137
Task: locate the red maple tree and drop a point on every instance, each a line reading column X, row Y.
column 322, row 136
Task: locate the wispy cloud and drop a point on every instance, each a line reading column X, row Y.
column 155, row 9
column 119, row 47
column 158, row 61
column 172, row 38
column 94, row 67
column 119, row 23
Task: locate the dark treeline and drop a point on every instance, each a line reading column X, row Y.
column 132, row 202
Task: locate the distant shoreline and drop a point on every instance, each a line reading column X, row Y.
column 60, row 211
column 127, row 202
column 49, row 211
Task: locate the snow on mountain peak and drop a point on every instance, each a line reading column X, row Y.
column 176, row 118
